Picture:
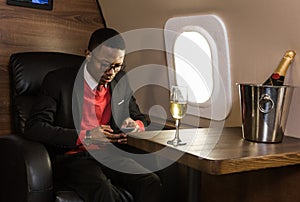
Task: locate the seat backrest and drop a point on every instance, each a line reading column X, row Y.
column 27, row 71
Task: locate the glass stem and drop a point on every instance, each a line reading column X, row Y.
column 177, row 125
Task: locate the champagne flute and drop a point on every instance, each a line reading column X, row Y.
column 178, row 106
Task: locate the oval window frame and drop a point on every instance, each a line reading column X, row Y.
column 212, row 27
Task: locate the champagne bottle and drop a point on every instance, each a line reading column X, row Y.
column 277, row 78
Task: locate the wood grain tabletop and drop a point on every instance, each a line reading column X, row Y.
column 218, row 151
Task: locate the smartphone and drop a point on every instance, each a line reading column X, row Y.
column 127, row 130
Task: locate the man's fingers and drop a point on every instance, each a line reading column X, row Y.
column 106, row 128
column 114, row 136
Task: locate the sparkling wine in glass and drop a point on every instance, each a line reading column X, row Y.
column 178, row 106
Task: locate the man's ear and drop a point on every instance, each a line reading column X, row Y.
column 87, row 55
column 87, row 52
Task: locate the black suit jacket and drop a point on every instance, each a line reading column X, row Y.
column 58, row 108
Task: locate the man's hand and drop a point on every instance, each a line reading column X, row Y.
column 104, row 134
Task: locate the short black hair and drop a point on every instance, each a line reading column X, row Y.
column 108, row 37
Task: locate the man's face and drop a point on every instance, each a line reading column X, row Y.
column 101, row 61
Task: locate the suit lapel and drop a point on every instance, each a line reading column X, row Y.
column 77, row 98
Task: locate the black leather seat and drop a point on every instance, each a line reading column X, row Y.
column 26, row 170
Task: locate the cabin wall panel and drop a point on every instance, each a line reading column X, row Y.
column 66, row 28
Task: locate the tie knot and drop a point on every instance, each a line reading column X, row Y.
column 98, row 88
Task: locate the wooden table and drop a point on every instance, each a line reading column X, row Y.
column 221, row 151
column 224, row 152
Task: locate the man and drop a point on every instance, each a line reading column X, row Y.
column 75, row 125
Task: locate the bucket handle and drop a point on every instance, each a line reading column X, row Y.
column 262, row 102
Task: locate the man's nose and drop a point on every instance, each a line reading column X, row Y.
column 110, row 71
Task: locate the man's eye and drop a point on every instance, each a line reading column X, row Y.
column 117, row 65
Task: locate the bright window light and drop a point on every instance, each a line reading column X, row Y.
column 193, row 65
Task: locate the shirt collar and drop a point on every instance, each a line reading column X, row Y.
column 92, row 83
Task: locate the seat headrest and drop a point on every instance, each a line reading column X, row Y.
column 28, row 69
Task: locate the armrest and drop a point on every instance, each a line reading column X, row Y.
column 25, row 170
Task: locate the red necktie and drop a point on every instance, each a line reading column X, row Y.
column 102, row 105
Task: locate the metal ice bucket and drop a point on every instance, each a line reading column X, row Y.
column 264, row 111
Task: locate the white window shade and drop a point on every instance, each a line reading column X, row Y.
column 192, row 59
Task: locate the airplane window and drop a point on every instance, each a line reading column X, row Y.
column 192, row 57
column 197, row 49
